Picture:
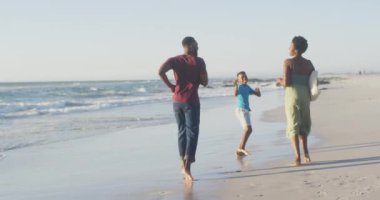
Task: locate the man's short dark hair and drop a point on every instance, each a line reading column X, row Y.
column 300, row 44
column 188, row 41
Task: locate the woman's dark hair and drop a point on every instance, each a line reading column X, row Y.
column 300, row 44
column 188, row 41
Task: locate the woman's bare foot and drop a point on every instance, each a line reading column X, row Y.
column 307, row 158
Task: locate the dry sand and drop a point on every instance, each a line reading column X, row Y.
column 345, row 162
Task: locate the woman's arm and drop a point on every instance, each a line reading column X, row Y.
column 311, row 67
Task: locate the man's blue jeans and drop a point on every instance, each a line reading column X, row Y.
column 188, row 118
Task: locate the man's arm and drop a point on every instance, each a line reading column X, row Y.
column 162, row 73
column 204, row 79
column 204, row 76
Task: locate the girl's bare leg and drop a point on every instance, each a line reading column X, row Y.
column 244, row 138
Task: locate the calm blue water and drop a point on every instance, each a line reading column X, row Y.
column 39, row 113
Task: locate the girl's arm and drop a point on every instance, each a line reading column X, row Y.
column 257, row 92
column 235, row 93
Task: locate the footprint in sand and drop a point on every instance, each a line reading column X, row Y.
column 358, row 193
column 311, row 184
column 252, row 185
column 362, row 178
column 306, row 182
column 308, row 173
column 342, row 183
column 322, row 193
column 161, row 193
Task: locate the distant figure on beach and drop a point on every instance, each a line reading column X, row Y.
column 189, row 72
column 297, row 97
column 242, row 91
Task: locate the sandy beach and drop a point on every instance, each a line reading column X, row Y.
column 345, row 161
column 99, row 100
column 142, row 163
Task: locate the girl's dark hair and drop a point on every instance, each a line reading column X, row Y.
column 241, row 72
column 300, row 44
column 188, row 41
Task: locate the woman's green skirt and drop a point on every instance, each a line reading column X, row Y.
column 297, row 109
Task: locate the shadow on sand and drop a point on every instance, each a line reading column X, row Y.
column 345, row 147
column 314, row 166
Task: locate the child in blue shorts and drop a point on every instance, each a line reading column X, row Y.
column 242, row 91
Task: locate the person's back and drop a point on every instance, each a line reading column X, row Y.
column 299, row 71
column 187, row 70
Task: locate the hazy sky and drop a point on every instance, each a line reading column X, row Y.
column 109, row 39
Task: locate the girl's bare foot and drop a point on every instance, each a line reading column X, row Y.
column 297, row 162
column 242, row 152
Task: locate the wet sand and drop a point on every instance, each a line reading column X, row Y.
column 143, row 163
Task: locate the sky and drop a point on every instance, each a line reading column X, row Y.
column 44, row 40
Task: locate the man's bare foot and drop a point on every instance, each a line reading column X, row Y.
column 183, row 167
column 187, row 176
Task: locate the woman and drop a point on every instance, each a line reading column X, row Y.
column 297, row 97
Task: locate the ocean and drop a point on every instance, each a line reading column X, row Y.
column 43, row 112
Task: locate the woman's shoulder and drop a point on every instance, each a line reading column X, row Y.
column 309, row 63
column 297, row 61
column 288, row 60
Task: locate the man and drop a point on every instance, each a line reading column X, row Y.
column 189, row 73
